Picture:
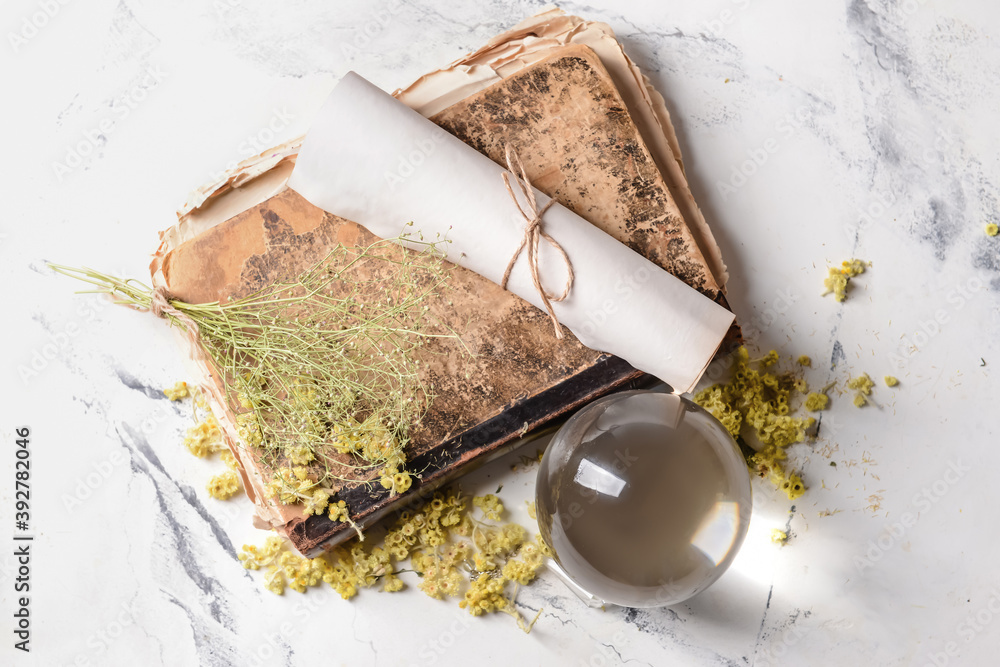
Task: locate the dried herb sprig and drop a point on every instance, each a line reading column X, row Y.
column 321, row 370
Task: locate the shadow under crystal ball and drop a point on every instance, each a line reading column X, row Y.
column 644, row 498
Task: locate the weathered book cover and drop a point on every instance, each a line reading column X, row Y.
column 580, row 146
column 567, row 122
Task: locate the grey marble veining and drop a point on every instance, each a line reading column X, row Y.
column 813, row 132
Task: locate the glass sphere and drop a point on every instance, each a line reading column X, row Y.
column 644, row 498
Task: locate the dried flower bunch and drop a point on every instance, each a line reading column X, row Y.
column 322, row 377
column 759, row 400
column 755, row 407
column 481, row 561
column 838, row 279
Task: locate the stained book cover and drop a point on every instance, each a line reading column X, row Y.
column 579, row 145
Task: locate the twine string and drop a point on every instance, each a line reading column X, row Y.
column 160, row 306
column 533, row 235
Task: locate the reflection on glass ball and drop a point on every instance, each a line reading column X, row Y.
column 644, row 497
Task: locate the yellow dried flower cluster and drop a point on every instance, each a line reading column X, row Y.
column 805, row 360
column 373, row 442
column 891, row 381
column 297, row 485
column 838, row 278
column 441, row 574
column 199, row 400
column 397, row 482
column 300, row 456
column 759, row 400
column 377, row 443
column 291, row 485
column 370, row 440
column 248, row 429
column 254, row 557
column 490, row 505
column 229, row 459
column 853, row 267
column 318, row 502
column 177, row 392
column 768, row 462
column 863, row 386
column 769, row 359
column 862, row 383
column 817, row 401
column 337, row 511
column 992, row 229
column 484, row 596
column 495, row 545
column 300, row 483
column 778, row 536
column 224, row 486
column 283, row 567
column 308, row 485
column 455, row 555
column 294, row 485
column 204, row 439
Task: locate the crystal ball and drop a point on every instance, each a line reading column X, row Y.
column 644, row 499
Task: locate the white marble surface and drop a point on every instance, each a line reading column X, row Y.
column 873, row 126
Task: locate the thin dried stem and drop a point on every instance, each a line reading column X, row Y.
column 321, row 371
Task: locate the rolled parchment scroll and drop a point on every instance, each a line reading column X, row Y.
column 371, row 159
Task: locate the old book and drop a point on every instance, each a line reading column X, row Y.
column 537, row 38
column 580, row 146
column 373, row 160
column 564, row 116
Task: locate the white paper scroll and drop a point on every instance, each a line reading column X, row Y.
column 373, row 160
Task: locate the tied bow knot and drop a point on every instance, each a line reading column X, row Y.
column 533, row 235
column 160, row 306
